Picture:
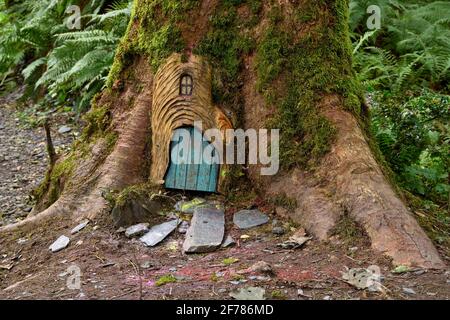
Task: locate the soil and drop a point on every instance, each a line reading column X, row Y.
column 23, row 158
column 115, row 267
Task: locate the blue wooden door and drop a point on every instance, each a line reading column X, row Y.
column 187, row 170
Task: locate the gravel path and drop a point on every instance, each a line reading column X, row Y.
column 23, row 162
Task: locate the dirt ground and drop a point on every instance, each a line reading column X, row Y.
column 115, row 267
column 23, row 158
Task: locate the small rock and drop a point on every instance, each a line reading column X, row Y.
column 159, row 232
column 173, row 269
column 146, row 265
column 327, row 298
column 420, row 272
column 246, row 219
column 121, row 230
column 22, row 241
column 64, row 129
column 279, row 231
column 250, row 293
column 183, row 227
column 59, row 244
column 222, row 290
column 409, row 291
column 136, row 230
column 80, row 227
column 228, row 242
column 262, row 266
column 294, row 242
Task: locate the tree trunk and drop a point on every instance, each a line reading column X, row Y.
column 255, row 64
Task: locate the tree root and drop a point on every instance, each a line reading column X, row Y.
column 352, row 181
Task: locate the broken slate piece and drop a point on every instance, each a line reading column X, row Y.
column 362, row 278
column 294, row 242
column 79, row 227
column 246, row 219
column 228, row 242
column 59, row 244
column 279, row 231
column 250, row 293
column 159, row 232
column 64, row 129
column 206, row 231
column 137, row 230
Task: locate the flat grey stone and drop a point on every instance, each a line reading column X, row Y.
column 246, row 219
column 60, row 244
column 228, row 242
column 64, row 129
column 159, row 232
column 206, row 231
column 79, row 227
column 137, row 230
column 250, row 293
column 279, row 231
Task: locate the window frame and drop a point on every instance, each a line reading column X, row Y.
column 186, row 85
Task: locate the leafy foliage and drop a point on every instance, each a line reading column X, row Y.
column 412, row 47
column 414, row 136
column 405, row 68
column 70, row 65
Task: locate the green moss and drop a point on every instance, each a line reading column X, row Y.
column 97, row 120
column 225, row 46
column 146, row 190
column 165, row 280
column 229, row 261
column 153, row 33
column 282, row 200
column 278, row 295
column 111, row 139
column 51, row 186
column 349, row 231
column 315, row 64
